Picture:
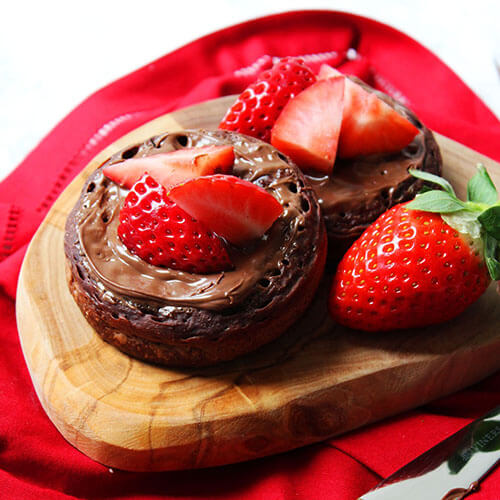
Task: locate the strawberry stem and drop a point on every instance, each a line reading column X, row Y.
column 476, row 207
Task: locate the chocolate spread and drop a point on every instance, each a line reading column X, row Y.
column 353, row 184
column 124, row 274
column 357, row 182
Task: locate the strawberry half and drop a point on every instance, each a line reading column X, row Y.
column 423, row 262
column 235, row 209
column 308, row 128
column 174, row 167
column 258, row 107
column 154, row 228
column 369, row 125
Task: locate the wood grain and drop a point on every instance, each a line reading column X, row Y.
column 316, row 381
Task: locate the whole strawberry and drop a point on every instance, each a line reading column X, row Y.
column 422, row 262
column 260, row 104
column 155, row 229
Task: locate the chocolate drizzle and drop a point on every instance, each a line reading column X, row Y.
column 361, row 180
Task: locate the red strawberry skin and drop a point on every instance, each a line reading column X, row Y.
column 174, row 167
column 369, row 125
column 158, row 231
column 408, row 269
column 308, row 128
column 257, row 108
column 235, row 209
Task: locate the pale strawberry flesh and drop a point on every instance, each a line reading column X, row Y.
column 234, row 209
column 369, row 125
column 174, row 167
column 326, row 71
column 308, row 128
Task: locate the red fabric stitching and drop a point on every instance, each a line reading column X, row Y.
column 89, row 145
column 10, row 231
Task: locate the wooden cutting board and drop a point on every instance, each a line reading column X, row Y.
column 317, row 381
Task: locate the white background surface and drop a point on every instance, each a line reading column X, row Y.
column 53, row 54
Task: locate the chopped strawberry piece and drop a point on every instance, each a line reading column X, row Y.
column 369, row 125
column 174, row 167
column 308, row 128
column 258, row 106
column 235, row 209
column 158, row 231
column 326, row 71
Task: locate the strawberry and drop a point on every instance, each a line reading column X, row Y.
column 235, row 209
column 369, row 125
column 308, row 128
column 174, row 167
column 154, row 228
column 422, row 262
column 257, row 108
column 326, row 71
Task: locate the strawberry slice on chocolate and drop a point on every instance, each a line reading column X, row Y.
column 235, row 209
column 158, row 231
column 259, row 105
column 174, row 167
column 308, row 129
column 369, row 125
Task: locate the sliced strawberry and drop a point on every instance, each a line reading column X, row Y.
column 154, row 228
column 369, row 125
column 235, row 209
column 308, row 128
column 174, row 167
column 326, row 71
column 258, row 106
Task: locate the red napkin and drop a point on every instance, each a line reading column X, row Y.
column 35, row 461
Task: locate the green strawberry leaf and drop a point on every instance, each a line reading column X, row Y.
column 435, row 179
column 491, row 256
column 490, row 220
column 480, row 188
column 426, row 188
column 436, row 201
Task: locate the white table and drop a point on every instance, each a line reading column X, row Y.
column 53, row 54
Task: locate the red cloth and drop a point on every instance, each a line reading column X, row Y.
column 35, row 461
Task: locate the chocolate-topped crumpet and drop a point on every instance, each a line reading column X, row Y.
column 362, row 187
column 355, row 144
column 195, row 247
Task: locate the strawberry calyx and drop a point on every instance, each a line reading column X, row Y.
column 478, row 217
